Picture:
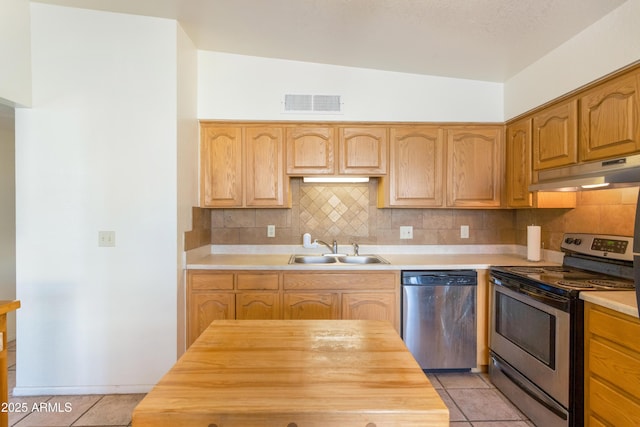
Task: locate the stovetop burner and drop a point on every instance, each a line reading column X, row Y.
column 538, row 270
column 611, row 284
column 569, row 279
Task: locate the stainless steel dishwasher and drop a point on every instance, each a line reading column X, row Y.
column 439, row 318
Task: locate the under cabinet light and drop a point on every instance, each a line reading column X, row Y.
column 335, row 179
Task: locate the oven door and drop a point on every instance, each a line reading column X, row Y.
column 532, row 336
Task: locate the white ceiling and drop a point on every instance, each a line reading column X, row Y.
column 488, row 40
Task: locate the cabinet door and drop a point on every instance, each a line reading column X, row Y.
column 220, row 166
column 205, row 307
column 311, row 305
column 610, row 119
column 310, row 150
column 416, row 167
column 474, row 166
column 363, row 151
column 370, row 306
column 612, row 367
column 258, row 305
column 555, row 136
column 266, row 182
column 518, row 164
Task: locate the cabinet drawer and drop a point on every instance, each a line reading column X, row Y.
column 258, row 281
column 203, row 280
column 615, row 366
column 621, row 329
column 611, row 405
column 341, row 281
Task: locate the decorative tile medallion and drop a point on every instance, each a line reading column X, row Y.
column 335, row 210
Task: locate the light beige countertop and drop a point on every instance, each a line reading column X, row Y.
column 396, row 262
column 622, row 301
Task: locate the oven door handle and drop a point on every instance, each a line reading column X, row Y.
column 560, row 303
column 529, row 390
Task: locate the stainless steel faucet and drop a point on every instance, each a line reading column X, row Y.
column 356, row 249
column 333, row 249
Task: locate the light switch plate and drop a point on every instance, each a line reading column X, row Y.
column 406, row 232
column 464, row 231
column 106, row 238
column 271, row 231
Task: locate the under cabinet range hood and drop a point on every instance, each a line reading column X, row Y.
column 618, row 172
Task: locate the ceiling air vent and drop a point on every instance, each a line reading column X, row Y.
column 319, row 104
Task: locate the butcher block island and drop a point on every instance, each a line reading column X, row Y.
column 294, row 373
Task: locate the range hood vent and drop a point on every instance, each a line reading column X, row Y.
column 318, row 104
column 619, row 172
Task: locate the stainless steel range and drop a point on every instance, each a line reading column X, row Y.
column 536, row 336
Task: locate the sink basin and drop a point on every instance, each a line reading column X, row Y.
column 336, row 259
column 361, row 259
column 312, row 259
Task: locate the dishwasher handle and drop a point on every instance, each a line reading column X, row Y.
column 440, row 278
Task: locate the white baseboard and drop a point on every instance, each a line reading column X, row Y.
column 61, row 391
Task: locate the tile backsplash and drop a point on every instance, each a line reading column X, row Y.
column 348, row 213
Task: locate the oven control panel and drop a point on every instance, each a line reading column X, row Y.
column 614, row 247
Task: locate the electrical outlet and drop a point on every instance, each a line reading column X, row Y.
column 271, row 231
column 464, row 231
column 406, row 232
column 106, row 238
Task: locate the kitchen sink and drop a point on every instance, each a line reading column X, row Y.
column 312, row 259
column 362, row 259
column 333, row 259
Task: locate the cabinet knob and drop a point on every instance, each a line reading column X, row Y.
column 292, row 425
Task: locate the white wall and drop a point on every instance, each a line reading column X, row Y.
column 609, row 44
column 187, row 161
column 97, row 152
column 252, row 88
column 15, row 51
column 7, row 213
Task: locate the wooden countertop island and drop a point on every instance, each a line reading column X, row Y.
column 294, row 373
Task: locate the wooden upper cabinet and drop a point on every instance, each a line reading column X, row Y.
column 555, row 136
column 220, row 166
column 610, row 119
column 242, row 166
column 310, row 150
column 266, row 182
column 363, row 151
column 474, row 166
column 519, row 173
column 416, row 168
column 518, row 164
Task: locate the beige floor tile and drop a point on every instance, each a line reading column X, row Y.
column 11, row 381
column 454, row 412
column 111, row 410
column 459, row 424
column 11, row 360
column 434, row 381
column 484, row 405
column 461, row 380
column 20, row 407
column 59, row 411
column 501, row 424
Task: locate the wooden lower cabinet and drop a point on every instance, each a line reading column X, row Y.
column 369, row 306
column 354, row 295
column 312, row 305
column 258, row 305
column 612, row 368
column 205, row 307
column 357, row 295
